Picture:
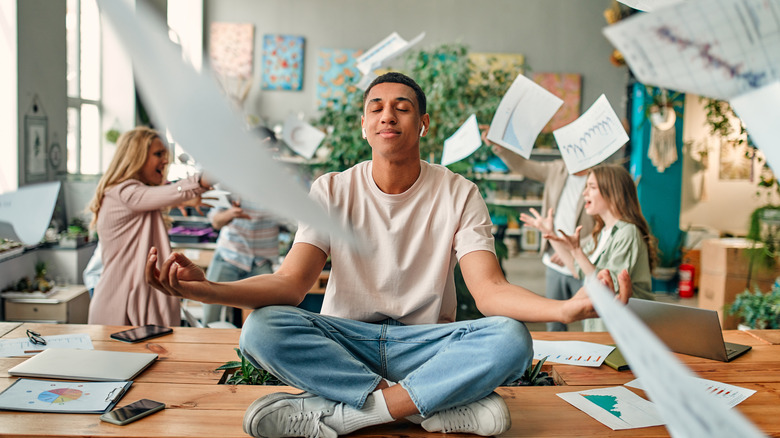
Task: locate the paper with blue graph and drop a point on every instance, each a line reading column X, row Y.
column 592, row 138
column 713, row 48
column 685, row 407
column 521, row 115
column 585, row 354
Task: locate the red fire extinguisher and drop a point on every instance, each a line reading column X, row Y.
column 687, row 273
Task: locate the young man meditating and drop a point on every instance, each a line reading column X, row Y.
column 385, row 345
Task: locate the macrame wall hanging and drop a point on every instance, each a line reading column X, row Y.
column 663, row 144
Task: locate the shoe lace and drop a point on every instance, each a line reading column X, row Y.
column 304, row 424
column 458, row 419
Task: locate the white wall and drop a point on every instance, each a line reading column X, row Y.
column 8, row 102
column 42, row 70
column 706, row 199
column 554, row 36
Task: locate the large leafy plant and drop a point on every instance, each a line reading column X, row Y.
column 758, row 310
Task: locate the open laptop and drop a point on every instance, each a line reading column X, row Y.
column 76, row 364
column 687, row 330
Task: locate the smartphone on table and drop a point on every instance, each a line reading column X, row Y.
column 133, row 411
column 141, row 333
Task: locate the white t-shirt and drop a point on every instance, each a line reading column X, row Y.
column 566, row 215
column 412, row 241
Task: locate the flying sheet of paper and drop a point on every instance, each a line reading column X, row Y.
column 685, row 407
column 714, row 48
column 301, row 137
column 615, row 407
column 462, row 143
column 759, row 110
column 730, row 394
column 584, row 354
column 26, row 213
column 648, row 5
column 592, row 138
column 217, row 198
column 191, row 106
column 522, row 113
column 384, row 51
column 23, row 346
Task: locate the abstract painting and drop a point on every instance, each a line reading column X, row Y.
column 282, row 62
column 567, row 86
column 231, row 49
column 337, row 75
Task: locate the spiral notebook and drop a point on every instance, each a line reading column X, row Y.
column 77, row 364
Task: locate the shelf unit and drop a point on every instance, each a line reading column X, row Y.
column 520, row 194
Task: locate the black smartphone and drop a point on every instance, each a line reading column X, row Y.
column 133, row 411
column 141, row 333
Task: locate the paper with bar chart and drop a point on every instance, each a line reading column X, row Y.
column 585, row 354
column 730, row 394
column 714, row 48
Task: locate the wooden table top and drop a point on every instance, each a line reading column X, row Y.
column 185, row 379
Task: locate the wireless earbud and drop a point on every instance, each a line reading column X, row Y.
column 422, row 131
column 364, row 133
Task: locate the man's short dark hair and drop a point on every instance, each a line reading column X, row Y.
column 399, row 78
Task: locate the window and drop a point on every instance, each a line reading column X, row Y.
column 82, row 22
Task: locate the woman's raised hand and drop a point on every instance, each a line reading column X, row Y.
column 541, row 223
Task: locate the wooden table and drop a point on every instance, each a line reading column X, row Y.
column 184, row 378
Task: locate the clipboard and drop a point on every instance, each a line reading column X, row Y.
column 33, row 395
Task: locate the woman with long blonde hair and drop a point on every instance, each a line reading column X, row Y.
column 621, row 239
column 127, row 214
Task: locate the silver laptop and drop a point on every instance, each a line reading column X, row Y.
column 687, row 330
column 76, row 364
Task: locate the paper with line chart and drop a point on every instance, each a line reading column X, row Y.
column 714, row 48
column 592, row 138
column 584, row 354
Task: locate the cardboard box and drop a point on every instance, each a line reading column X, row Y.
column 718, row 291
column 731, row 257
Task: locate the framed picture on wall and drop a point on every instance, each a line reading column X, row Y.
column 530, row 239
column 36, row 154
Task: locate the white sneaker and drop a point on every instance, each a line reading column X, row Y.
column 486, row 417
column 289, row 415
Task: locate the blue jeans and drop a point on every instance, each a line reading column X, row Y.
column 440, row 365
column 220, row 270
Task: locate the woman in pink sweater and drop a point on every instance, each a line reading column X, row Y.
column 127, row 213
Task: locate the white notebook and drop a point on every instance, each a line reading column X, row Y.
column 76, row 364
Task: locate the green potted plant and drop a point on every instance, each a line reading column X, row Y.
column 75, row 235
column 242, row 372
column 758, row 310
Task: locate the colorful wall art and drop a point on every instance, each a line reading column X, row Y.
column 231, row 49
column 337, row 74
column 282, row 62
column 567, row 86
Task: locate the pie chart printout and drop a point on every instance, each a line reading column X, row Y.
column 60, row 395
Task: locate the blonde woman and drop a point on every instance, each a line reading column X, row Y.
column 128, row 218
column 620, row 240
